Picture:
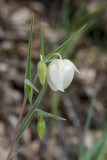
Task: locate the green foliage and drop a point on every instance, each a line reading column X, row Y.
column 88, row 16
column 102, row 153
column 65, row 14
column 25, row 123
column 28, row 89
column 95, row 149
column 78, row 19
column 29, row 86
column 88, row 121
column 78, row 13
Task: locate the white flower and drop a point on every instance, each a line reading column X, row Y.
column 60, row 74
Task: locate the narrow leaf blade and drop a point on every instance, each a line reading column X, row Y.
column 92, row 152
column 28, row 92
column 59, row 49
column 88, row 120
column 27, row 82
column 102, row 153
column 45, row 114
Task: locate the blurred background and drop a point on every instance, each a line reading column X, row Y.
column 60, row 19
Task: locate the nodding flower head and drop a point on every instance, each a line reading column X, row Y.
column 60, row 74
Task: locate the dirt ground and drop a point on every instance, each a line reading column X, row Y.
column 90, row 57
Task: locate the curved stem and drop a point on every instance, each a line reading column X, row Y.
column 53, row 55
column 35, row 79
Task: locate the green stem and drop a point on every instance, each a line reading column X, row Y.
column 29, row 116
column 35, row 79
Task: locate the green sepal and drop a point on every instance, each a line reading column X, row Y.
column 42, row 72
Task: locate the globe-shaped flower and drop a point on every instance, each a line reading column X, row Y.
column 60, row 74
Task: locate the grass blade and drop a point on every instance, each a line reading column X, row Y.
column 59, row 49
column 87, row 125
column 98, row 145
column 89, row 15
column 101, row 154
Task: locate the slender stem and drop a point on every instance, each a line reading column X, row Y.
column 17, row 139
column 35, row 79
column 16, row 129
column 58, row 55
column 54, row 55
column 29, row 116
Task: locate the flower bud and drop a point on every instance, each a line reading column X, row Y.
column 41, row 128
column 60, row 74
column 42, row 71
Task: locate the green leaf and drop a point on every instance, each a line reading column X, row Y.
column 78, row 13
column 84, row 18
column 88, row 121
column 102, row 153
column 59, row 49
column 25, row 123
column 49, row 115
column 28, row 83
column 28, row 89
column 65, row 12
column 97, row 146
column 28, row 92
column 41, row 44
